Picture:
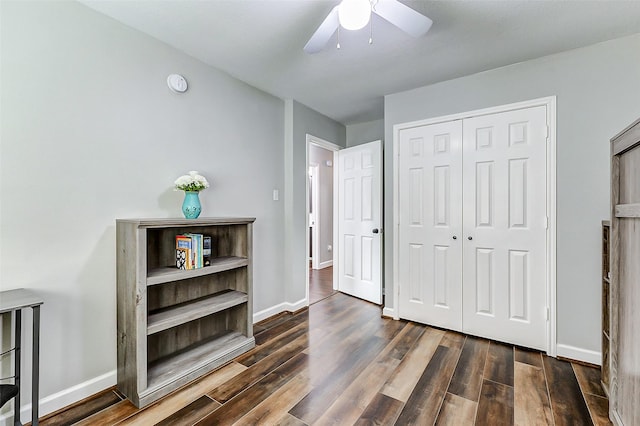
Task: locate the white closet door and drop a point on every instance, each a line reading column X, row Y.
column 504, row 226
column 430, row 199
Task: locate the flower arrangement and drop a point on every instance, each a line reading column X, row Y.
column 193, row 182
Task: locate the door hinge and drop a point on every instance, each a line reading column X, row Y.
column 548, row 313
column 546, row 222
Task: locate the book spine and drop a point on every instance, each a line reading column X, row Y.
column 196, row 246
column 206, row 250
column 181, row 258
column 185, row 242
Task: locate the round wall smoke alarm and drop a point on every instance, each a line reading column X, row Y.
column 177, row 83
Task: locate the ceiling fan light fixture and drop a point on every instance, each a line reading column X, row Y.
column 354, row 14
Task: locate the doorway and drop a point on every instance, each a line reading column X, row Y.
column 320, row 224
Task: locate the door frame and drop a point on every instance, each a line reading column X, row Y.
column 330, row 146
column 315, row 248
column 551, row 268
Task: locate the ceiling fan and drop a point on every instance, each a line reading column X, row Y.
column 355, row 14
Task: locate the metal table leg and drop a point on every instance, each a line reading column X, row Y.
column 17, row 355
column 35, row 367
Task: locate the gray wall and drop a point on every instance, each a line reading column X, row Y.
column 597, row 91
column 324, row 219
column 90, row 133
column 300, row 121
column 369, row 131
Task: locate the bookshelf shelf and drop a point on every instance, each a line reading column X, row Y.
column 182, row 367
column 181, row 313
column 171, row 273
column 176, row 325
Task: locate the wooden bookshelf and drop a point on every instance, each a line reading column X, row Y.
column 176, row 325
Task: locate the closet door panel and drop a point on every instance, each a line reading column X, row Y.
column 504, row 212
column 430, row 173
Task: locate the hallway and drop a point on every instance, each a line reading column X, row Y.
column 320, row 284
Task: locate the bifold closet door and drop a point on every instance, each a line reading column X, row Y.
column 504, row 222
column 472, row 225
column 430, row 257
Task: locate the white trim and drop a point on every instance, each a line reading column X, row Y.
column 396, row 223
column 296, row 306
column 310, row 139
column 325, row 264
column 475, row 113
column 615, row 418
column 552, row 342
column 64, row 398
column 388, row 312
column 579, row 354
column 336, row 234
column 550, row 104
column 282, row 307
column 269, row 312
column 315, row 244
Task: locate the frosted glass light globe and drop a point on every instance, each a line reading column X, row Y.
column 354, row 14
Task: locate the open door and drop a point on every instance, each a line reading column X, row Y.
column 360, row 221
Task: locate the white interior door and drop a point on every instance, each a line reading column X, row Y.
column 505, row 226
column 472, row 225
column 360, row 221
column 430, row 173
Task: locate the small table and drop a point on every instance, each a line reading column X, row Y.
column 16, row 301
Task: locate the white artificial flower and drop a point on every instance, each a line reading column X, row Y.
column 191, row 182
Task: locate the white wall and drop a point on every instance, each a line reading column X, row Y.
column 368, row 131
column 90, row 133
column 300, row 121
column 324, row 219
column 597, row 91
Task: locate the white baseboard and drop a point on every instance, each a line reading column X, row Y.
column 579, row 354
column 282, row 307
column 388, row 312
column 326, row 264
column 615, row 418
column 64, row 398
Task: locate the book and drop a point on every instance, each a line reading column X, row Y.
column 181, row 258
column 197, row 247
column 206, row 250
column 184, row 242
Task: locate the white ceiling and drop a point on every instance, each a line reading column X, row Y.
column 260, row 42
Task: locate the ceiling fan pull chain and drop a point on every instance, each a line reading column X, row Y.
column 370, row 31
column 338, row 45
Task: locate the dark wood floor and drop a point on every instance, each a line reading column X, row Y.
column 320, row 284
column 341, row 363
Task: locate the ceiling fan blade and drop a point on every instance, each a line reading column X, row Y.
column 403, row 17
column 319, row 39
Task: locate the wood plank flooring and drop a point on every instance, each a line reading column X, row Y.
column 320, row 284
column 341, row 363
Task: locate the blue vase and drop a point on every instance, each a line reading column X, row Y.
column 191, row 207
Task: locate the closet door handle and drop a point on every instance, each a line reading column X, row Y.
column 455, row 238
column 375, row 230
column 469, row 238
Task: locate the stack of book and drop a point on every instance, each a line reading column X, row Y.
column 193, row 251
